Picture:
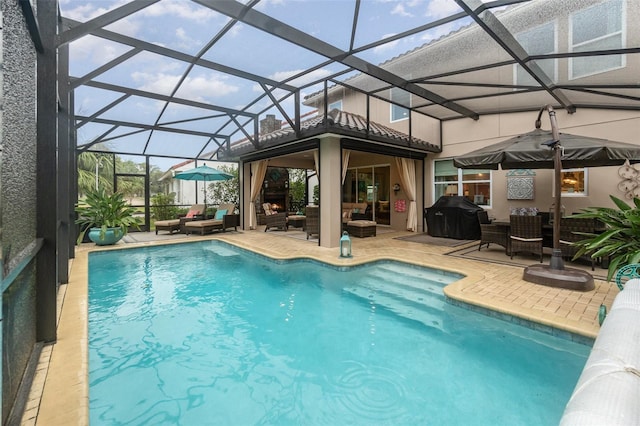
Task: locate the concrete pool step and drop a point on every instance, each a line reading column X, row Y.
column 397, row 285
column 420, row 274
column 429, row 316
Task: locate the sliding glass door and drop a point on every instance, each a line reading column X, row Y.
column 369, row 184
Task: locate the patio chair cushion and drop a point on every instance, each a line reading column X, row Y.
column 169, row 222
column 203, row 223
column 220, row 214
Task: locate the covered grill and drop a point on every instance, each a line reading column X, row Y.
column 453, row 217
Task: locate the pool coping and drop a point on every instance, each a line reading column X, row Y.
column 68, row 366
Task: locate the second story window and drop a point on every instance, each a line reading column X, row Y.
column 540, row 40
column 599, row 27
column 401, row 97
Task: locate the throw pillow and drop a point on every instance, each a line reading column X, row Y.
column 191, row 213
column 220, row 214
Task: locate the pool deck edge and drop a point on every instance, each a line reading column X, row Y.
column 67, row 380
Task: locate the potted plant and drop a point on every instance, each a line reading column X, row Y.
column 620, row 242
column 106, row 217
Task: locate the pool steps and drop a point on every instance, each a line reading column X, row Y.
column 417, row 297
column 398, row 307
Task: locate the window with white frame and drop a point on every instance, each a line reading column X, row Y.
column 599, row 27
column 573, row 182
column 335, row 105
column 475, row 185
column 540, row 40
column 401, row 97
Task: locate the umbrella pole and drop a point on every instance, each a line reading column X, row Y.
column 556, row 261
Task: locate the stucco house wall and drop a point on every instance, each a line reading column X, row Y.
column 461, row 136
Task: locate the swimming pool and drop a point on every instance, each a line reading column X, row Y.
column 204, row 333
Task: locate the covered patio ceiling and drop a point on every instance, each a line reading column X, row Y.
column 211, row 70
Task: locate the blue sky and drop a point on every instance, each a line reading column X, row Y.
column 186, row 26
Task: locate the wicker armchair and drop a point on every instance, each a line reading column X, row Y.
column 312, row 224
column 492, row 233
column 273, row 219
column 568, row 228
column 526, row 235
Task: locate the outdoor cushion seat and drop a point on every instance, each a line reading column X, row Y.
column 225, row 218
column 353, row 211
column 362, row 228
column 167, row 225
column 177, row 224
column 526, row 235
column 273, row 219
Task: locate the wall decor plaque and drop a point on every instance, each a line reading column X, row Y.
column 520, row 184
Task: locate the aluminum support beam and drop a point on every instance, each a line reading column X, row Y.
column 501, row 35
column 288, row 33
column 46, row 178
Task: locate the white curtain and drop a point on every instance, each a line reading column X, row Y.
column 316, row 159
column 407, row 172
column 345, row 163
column 258, row 169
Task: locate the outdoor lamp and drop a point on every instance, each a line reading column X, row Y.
column 345, row 245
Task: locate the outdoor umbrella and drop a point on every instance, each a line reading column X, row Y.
column 203, row 173
column 544, row 149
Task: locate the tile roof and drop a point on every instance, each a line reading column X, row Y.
column 338, row 122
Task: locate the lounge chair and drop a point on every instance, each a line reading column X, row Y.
column 178, row 223
column 273, row 219
column 225, row 218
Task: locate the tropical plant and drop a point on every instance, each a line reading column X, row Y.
column 297, row 188
column 88, row 164
column 224, row 191
column 162, row 206
column 620, row 242
column 100, row 210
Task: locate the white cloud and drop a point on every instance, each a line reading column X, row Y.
column 127, row 26
column 180, row 9
column 401, row 11
column 183, row 41
column 263, row 5
column 197, row 88
column 304, row 79
column 387, row 46
column 441, row 8
column 96, row 50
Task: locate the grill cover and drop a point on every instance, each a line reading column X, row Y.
column 453, row 217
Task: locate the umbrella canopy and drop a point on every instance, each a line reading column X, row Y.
column 203, row 173
column 549, row 149
column 533, row 151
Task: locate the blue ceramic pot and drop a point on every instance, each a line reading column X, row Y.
column 112, row 236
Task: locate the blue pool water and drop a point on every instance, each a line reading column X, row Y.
column 207, row 334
